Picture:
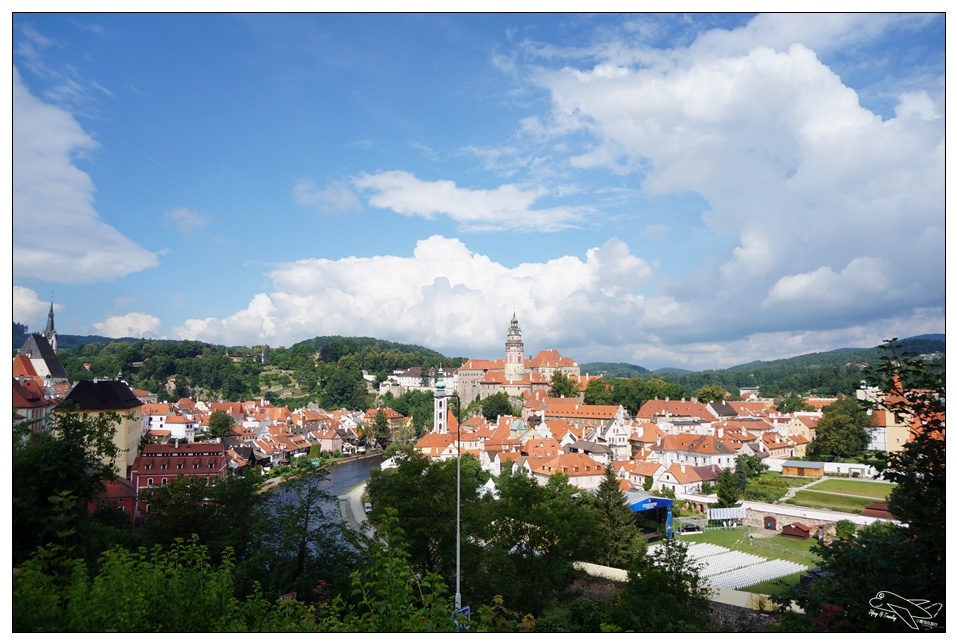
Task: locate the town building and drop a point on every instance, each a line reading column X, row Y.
column 97, row 397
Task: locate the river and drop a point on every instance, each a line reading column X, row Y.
column 342, row 479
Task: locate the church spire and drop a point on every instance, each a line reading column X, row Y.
column 50, row 331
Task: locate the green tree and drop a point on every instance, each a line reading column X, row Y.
column 297, row 545
column 220, row 515
column 497, row 405
column 845, row 529
column 741, row 475
column 751, row 464
column 562, row 386
column 72, row 460
column 380, row 427
column 907, row 558
column 711, row 393
column 791, row 403
column 664, row 592
column 535, row 534
column 728, row 491
column 390, row 596
column 221, row 424
column 841, row 431
column 621, row 544
column 423, row 495
column 53, row 593
column 598, row 392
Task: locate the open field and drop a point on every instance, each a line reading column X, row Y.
column 829, row 501
column 872, row 489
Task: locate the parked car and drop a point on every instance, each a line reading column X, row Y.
column 367, row 507
column 690, row 528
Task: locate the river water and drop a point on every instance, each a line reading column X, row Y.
column 342, row 478
column 345, row 476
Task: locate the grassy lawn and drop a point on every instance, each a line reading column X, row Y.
column 828, row 501
column 871, row 489
column 775, row 585
column 777, row 547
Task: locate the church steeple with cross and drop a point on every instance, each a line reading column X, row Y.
column 49, row 332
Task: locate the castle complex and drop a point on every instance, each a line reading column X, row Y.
column 512, row 374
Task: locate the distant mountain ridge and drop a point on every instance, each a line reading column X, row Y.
column 929, row 343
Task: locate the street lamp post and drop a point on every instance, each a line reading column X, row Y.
column 458, row 501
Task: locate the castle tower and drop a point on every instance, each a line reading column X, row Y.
column 514, row 353
column 440, row 417
column 50, row 332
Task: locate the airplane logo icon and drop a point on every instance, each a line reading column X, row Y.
column 909, row 610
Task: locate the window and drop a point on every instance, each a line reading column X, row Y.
column 149, row 482
column 164, row 481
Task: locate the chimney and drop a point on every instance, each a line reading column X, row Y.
column 682, row 468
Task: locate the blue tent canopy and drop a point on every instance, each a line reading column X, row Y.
column 640, row 501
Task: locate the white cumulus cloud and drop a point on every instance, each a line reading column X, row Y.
column 797, row 176
column 443, row 296
column 29, row 309
column 57, row 234
column 507, row 207
column 131, row 325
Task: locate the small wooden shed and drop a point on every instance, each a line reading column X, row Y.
column 813, row 469
column 798, row 530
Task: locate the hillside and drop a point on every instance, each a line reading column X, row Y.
column 167, row 364
column 613, row 369
column 824, row 373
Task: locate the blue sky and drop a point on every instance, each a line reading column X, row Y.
column 689, row 190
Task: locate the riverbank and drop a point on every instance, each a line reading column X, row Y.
column 270, row 483
column 353, row 512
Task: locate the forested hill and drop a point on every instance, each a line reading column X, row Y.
column 332, row 347
column 316, row 367
column 825, row 373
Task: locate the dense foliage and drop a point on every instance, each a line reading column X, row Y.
column 53, row 472
column 329, row 371
column 907, row 559
column 841, row 431
column 826, row 373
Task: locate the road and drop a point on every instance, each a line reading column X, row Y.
column 353, row 512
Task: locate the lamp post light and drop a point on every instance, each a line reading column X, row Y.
column 458, row 501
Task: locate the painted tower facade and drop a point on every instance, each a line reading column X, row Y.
column 440, row 416
column 514, row 352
